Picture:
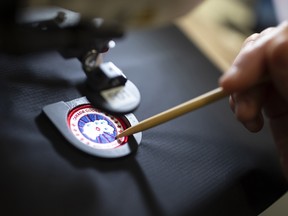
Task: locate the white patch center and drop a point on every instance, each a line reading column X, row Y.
column 97, row 128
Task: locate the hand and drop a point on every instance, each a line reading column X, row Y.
column 263, row 56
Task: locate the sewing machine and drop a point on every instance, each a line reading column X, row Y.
column 84, row 35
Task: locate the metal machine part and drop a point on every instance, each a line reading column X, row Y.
column 92, row 130
column 37, row 26
column 54, row 28
column 105, row 76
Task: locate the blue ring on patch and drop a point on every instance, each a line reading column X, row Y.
column 95, row 128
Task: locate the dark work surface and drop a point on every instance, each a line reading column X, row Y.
column 203, row 163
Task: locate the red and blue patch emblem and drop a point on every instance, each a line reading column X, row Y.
column 95, row 128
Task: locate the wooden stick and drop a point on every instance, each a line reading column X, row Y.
column 176, row 111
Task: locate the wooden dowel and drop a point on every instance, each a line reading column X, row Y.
column 176, row 111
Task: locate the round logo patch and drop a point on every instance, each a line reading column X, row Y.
column 95, row 128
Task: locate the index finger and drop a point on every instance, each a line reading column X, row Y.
column 250, row 65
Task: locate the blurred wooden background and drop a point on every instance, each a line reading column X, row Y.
column 219, row 28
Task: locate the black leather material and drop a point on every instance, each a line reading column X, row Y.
column 203, row 163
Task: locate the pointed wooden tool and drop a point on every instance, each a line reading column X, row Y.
column 176, row 111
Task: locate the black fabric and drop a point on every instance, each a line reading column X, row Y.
column 203, row 163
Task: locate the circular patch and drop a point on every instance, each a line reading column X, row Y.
column 95, row 128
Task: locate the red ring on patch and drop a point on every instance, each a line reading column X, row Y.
column 95, row 128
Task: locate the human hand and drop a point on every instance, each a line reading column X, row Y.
column 263, row 55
